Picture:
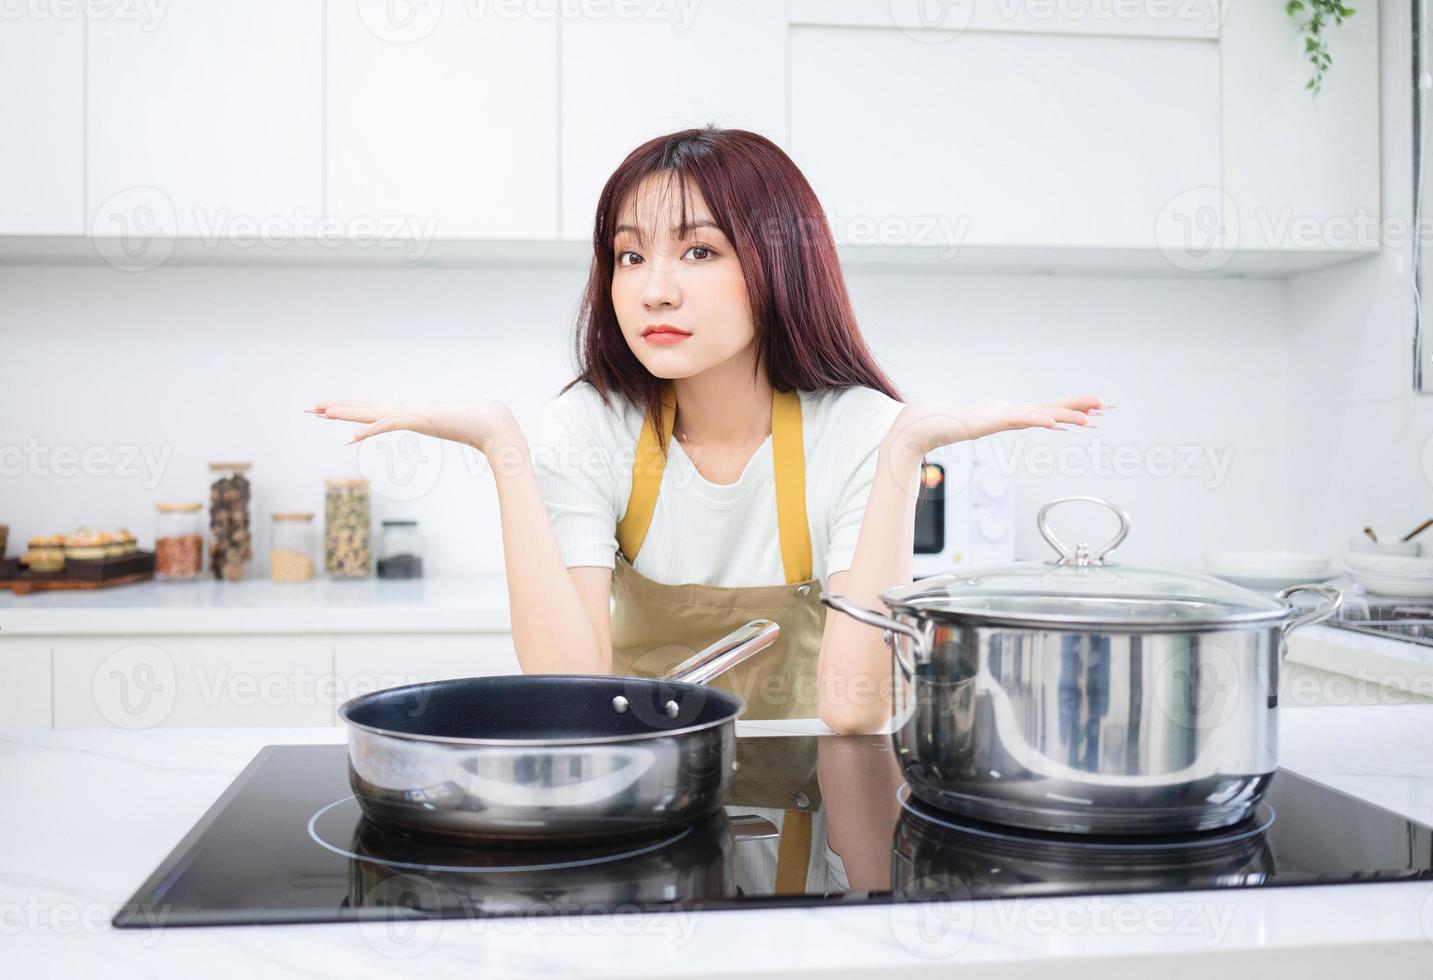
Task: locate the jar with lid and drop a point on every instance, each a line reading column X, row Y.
column 178, row 541
column 291, row 546
column 400, row 552
column 231, row 540
column 346, row 549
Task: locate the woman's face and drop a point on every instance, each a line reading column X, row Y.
column 692, row 284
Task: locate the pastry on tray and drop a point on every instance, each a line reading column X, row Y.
column 45, row 554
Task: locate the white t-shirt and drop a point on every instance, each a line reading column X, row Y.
column 703, row 532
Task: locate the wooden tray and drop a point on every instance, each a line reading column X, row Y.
column 79, row 573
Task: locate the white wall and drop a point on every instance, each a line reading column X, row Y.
column 193, row 363
column 1360, row 440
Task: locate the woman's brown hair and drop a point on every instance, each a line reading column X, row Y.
column 805, row 326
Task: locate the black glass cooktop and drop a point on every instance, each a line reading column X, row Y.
column 808, row 820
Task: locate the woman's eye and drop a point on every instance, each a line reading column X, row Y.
column 700, row 248
column 621, row 255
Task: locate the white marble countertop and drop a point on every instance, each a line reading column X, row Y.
column 88, row 815
column 430, row 605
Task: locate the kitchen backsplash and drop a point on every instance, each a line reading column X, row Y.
column 123, row 386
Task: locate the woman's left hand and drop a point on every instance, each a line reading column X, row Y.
column 924, row 426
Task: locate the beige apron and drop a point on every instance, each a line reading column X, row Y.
column 656, row 626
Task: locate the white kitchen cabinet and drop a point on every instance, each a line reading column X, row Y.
column 206, row 122
column 42, row 116
column 177, row 680
column 374, row 663
column 1301, row 171
column 662, row 68
column 180, row 681
column 1003, row 138
column 442, row 120
column 25, row 695
column 1173, row 18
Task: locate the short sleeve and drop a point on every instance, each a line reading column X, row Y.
column 574, row 477
column 857, row 479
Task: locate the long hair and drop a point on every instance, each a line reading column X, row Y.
column 806, row 329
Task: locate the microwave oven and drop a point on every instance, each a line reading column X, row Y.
column 965, row 510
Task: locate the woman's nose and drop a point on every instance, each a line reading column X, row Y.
column 660, row 289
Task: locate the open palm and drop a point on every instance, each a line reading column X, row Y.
column 473, row 423
column 927, row 425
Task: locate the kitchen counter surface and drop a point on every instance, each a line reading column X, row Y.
column 90, row 814
column 432, row 605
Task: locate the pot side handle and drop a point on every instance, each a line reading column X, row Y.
column 870, row 618
column 1333, row 599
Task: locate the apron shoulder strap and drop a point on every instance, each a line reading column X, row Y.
column 647, row 466
column 788, row 453
column 789, row 458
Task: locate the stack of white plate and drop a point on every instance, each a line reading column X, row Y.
column 1396, row 575
column 1269, row 570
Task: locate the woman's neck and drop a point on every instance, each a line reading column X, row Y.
column 727, row 406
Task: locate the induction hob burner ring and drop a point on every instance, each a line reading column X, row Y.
column 476, row 869
column 1263, row 819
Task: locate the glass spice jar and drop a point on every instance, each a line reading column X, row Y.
column 291, row 546
column 346, row 549
column 231, row 540
column 400, row 552
column 178, row 541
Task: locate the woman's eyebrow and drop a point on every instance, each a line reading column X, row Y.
column 700, row 223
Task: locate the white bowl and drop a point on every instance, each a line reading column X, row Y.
column 1405, row 588
column 1362, row 544
column 1395, row 566
column 1266, row 564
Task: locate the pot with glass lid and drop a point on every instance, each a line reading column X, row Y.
column 1083, row 695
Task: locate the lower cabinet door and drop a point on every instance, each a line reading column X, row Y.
column 180, row 681
column 204, row 681
column 25, row 694
column 373, row 663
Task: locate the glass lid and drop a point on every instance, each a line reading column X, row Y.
column 1081, row 588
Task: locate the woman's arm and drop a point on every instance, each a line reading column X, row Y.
column 854, row 665
column 552, row 629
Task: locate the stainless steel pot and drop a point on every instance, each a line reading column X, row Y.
column 547, row 757
column 1082, row 695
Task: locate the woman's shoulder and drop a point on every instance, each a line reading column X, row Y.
column 581, row 409
column 853, row 413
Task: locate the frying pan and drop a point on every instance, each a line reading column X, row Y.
column 536, row 758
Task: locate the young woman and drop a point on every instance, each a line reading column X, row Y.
column 729, row 449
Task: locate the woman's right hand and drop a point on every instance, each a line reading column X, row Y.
column 476, row 423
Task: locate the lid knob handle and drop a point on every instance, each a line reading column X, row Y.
column 1081, row 556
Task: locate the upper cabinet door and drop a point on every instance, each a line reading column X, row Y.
column 1301, row 171
column 660, row 68
column 42, row 102
column 1114, row 18
column 206, row 121
column 442, row 118
column 1001, row 138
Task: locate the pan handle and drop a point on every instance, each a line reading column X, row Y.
column 726, row 653
column 751, row 826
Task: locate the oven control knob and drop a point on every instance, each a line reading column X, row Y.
column 992, row 527
column 991, row 486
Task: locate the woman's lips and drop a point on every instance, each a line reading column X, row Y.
column 664, row 336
